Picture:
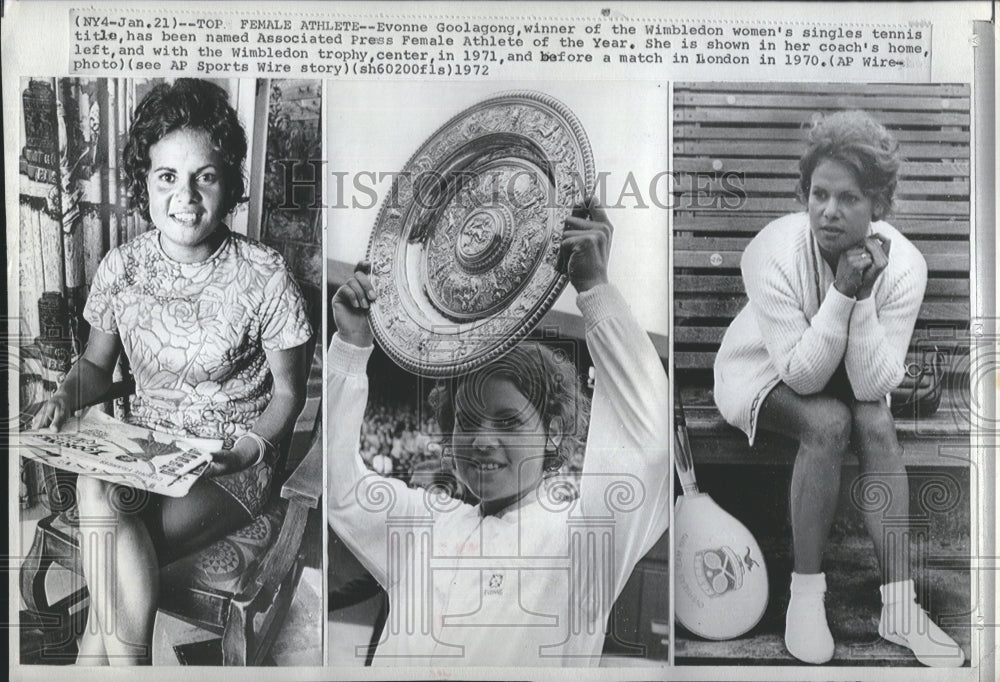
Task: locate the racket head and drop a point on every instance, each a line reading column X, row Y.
column 720, row 576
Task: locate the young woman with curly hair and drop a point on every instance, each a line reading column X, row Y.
column 214, row 329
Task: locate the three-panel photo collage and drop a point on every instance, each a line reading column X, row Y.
column 495, row 375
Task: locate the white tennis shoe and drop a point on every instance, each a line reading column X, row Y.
column 903, row 622
column 807, row 635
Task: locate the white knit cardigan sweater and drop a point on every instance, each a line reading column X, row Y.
column 797, row 328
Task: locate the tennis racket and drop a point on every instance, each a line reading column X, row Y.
column 720, row 577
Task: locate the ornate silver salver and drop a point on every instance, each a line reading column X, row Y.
column 465, row 248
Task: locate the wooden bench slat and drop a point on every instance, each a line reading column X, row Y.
column 720, row 285
column 923, row 337
column 903, row 207
column 706, row 418
column 701, row 360
column 710, row 307
column 685, row 336
column 799, row 116
column 881, row 89
column 936, row 262
column 876, row 103
column 768, row 148
column 683, row 243
column 715, row 441
column 930, row 310
column 724, row 285
column 736, row 222
column 690, row 360
column 790, row 167
column 755, row 132
column 921, row 449
column 752, row 185
column 698, row 335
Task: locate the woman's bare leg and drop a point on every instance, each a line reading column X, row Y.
column 902, row 621
column 121, row 564
column 90, row 650
column 198, row 519
column 121, row 571
column 822, row 426
column 881, row 459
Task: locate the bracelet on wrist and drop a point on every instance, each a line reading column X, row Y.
column 264, row 446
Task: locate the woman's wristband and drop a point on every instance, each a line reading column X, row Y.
column 263, row 445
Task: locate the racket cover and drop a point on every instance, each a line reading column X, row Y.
column 721, row 581
column 719, row 572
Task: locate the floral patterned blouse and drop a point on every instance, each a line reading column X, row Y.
column 196, row 334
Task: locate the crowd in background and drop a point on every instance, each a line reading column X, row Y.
column 395, row 437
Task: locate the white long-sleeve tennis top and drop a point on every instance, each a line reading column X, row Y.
column 535, row 585
column 797, row 327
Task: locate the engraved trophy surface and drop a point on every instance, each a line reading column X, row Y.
column 464, row 250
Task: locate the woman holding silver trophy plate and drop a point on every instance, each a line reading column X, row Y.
column 528, row 574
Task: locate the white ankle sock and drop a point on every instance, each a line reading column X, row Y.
column 807, row 635
column 903, row 622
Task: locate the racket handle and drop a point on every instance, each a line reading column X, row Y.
column 684, row 462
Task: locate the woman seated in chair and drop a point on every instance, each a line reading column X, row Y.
column 521, row 578
column 214, row 329
column 834, row 294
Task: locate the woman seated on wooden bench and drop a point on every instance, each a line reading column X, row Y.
column 813, row 356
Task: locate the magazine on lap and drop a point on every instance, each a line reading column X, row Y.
column 95, row 444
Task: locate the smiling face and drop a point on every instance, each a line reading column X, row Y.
column 498, row 441
column 839, row 212
column 186, row 194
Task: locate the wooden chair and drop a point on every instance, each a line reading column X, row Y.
column 240, row 587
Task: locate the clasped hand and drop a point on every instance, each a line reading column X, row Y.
column 859, row 267
column 583, row 257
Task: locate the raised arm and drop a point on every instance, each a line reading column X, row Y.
column 628, row 440
column 805, row 352
column 627, row 472
column 359, row 501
